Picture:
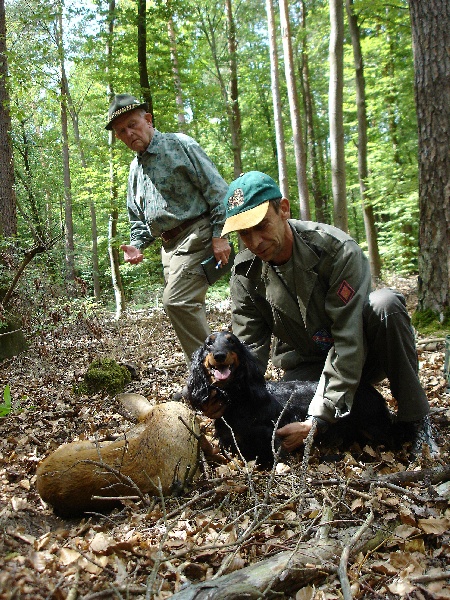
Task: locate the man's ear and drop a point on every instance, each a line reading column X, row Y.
column 285, row 208
column 149, row 117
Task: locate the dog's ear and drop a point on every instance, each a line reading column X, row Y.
column 253, row 375
column 197, row 384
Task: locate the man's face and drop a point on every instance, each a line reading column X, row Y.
column 271, row 239
column 135, row 129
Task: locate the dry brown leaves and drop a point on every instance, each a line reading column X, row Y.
column 233, row 518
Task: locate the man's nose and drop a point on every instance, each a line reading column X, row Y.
column 253, row 239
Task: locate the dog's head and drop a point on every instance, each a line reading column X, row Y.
column 221, row 357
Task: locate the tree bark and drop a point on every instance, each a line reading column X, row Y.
column 336, row 114
column 68, row 216
column 235, row 113
column 430, row 21
column 8, row 215
column 76, row 132
column 175, row 70
column 142, row 56
column 296, row 122
column 278, row 118
column 285, row 572
column 316, row 174
column 113, row 215
column 363, row 171
column 230, row 100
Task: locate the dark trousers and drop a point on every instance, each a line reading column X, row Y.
column 391, row 353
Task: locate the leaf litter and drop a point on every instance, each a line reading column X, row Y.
column 235, row 517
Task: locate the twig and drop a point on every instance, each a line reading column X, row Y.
column 73, row 593
column 120, row 476
column 133, row 589
column 430, row 577
column 342, row 569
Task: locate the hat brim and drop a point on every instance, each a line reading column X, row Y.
column 246, row 219
column 108, row 127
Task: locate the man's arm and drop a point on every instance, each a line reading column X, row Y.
column 349, row 288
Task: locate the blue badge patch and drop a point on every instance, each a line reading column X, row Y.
column 323, row 339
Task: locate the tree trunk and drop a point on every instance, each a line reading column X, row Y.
column 94, row 234
column 230, row 101
column 296, row 122
column 278, row 118
column 284, row 573
column 336, row 114
column 431, row 42
column 316, row 174
column 142, row 55
column 113, row 215
column 68, row 217
column 235, row 113
column 363, row 172
column 8, row 215
column 175, row 71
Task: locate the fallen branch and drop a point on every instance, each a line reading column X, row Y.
column 342, row 569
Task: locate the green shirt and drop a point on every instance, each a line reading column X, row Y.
column 171, row 182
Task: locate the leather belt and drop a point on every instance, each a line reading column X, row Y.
column 166, row 236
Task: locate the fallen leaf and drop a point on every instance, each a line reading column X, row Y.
column 435, row 526
column 67, row 556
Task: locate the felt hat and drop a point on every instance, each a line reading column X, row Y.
column 120, row 104
column 247, row 200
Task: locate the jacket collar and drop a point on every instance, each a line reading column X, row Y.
column 305, row 279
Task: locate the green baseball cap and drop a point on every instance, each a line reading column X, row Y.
column 120, row 104
column 247, row 200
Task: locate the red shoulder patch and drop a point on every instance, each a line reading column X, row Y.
column 345, row 292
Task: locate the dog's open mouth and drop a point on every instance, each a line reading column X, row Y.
column 220, row 373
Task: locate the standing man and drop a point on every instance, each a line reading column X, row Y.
column 176, row 193
column 309, row 285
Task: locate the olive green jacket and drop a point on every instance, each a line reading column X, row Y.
column 320, row 321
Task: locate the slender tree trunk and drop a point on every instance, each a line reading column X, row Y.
column 431, row 42
column 294, row 106
column 35, row 222
column 317, row 184
column 142, row 55
column 68, row 217
column 94, row 233
column 278, row 118
column 230, row 101
column 235, row 113
column 113, row 215
column 175, row 70
column 336, row 114
column 8, row 215
column 363, row 171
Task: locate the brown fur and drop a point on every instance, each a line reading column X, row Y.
column 161, row 449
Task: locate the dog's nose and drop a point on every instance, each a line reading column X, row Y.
column 220, row 356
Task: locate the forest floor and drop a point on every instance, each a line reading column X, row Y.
column 389, row 520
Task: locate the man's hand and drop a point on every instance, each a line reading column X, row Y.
column 221, row 249
column 293, row 435
column 214, row 408
column 131, row 254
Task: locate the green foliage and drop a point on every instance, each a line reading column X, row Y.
column 428, row 322
column 6, row 406
column 104, row 375
column 36, row 129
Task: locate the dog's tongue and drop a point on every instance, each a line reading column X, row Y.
column 221, row 375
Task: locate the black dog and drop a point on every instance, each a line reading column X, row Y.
column 225, row 369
